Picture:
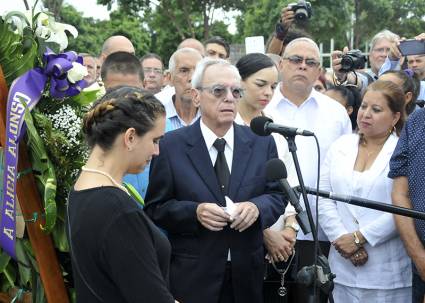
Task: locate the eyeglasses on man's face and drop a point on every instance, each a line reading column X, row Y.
column 297, row 60
column 148, row 70
column 219, row 91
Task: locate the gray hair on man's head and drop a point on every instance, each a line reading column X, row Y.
column 206, row 62
column 385, row 34
column 184, row 50
column 299, row 40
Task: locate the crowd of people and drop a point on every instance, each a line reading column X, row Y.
column 210, row 225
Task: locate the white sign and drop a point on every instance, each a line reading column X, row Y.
column 254, row 44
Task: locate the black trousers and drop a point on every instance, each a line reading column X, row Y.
column 226, row 293
column 296, row 293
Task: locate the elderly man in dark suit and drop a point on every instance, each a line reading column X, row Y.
column 217, row 251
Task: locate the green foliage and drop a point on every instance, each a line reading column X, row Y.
column 92, row 33
column 17, row 53
column 259, row 19
column 334, row 19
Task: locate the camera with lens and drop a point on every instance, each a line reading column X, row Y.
column 352, row 60
column 302, row 10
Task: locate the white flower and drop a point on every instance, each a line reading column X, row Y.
column 46, row 27
column 65, row 119
column 58, row 34
column 55, row 30
column 77, row 72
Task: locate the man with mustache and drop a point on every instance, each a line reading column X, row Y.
column 153, row 70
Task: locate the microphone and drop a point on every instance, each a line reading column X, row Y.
column 276, row 171
column 264, row 126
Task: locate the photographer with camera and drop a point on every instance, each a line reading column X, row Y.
column 346, row 64
column 293, row 13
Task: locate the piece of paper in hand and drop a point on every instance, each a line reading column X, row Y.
column 230, row 206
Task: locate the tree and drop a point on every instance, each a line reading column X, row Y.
column 92, row 33
column 54, row 6
column 360, row 18
column 185, row 15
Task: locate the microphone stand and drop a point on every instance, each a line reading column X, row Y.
column 309, row 275
column 402, row 211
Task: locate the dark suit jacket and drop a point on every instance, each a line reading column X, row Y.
column 181, row 178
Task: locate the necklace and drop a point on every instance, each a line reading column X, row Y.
column 96, row 171
column 369, row 153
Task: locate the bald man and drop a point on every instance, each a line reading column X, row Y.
column 193, row 43
column 116, row 44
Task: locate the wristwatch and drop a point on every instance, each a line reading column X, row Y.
column 280, row 31
column 294, row 225
column 356, row 239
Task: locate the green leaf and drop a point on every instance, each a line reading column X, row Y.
column 46, row 173
column 13, row 59
column 87, row 96
column 10, row 273
column 23, row 264
column 4, row 260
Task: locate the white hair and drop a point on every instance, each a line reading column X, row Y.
column 184, row 50
column 302, row 39
column 385, row 34
column 206, row 62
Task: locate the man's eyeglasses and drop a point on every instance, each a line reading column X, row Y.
column 219, row 91
column 297, row 60
column 382, row 50
column 148, row 70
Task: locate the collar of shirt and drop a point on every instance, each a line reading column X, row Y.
column 239, row 120
column 210, row 138
column 171, row 111
column 279, row 98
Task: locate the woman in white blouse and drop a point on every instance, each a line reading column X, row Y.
column 367, row 255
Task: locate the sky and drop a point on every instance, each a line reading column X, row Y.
column 90, row 8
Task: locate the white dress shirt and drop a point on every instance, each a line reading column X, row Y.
column 320, row 114
column 210, row 138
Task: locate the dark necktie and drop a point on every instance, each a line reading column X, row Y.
column 220, row 167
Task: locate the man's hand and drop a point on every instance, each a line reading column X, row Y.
column 286, row 17
column 245, row 214
column 394, row 53
column 360, row 257
column 212, row 216
column 336, row 64
column 420, row 37
column 279, row 244
column 345, row 245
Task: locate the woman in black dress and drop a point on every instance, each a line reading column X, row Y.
column 118, row 255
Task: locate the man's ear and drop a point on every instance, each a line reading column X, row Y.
column 196, row 98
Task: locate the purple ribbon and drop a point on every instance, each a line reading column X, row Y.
column 25, row 93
